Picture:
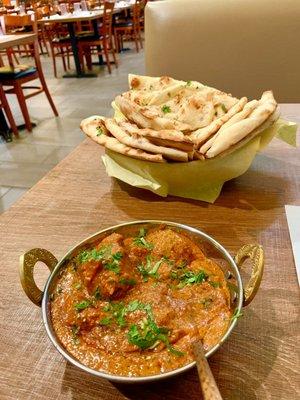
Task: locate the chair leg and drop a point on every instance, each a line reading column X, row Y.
column 105, row 50
column 15, row 57
column 47, row 93
column 88, row 58
column 113, row 52
column 62, row 53
column 8, row 113
column 81, row 57
column 140, row 37
column 116, row 42
column 68, row 57
column 41, row 48
column 136, row 41
column 22, row 102
column 53, row 61
column 44, row 41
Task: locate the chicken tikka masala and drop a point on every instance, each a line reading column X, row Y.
column 133, row 305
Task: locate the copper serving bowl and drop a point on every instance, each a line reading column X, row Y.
column 241, row 294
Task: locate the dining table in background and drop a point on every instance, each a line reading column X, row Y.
column 7, row 41
column 70, row 20
column 259, row 361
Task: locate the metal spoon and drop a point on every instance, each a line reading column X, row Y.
column 207, row 381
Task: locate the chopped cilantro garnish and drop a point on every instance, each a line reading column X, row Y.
column 113, row 266
column 166, row 109
column 127, row 281
column 207, row 302
column 147, row 334
column 75, row 330
column 93, row 255
column 77, row 285
column 190, row 277
column 82, row 305
column 237, row 314
column 133, row 305
column 99, row 131
column 149, row 269
column 188, row 83
column 110, row 261
column 142, row 242
column 105, row 321
column 97, row 294
column 107, row 307
column 224, row 108
column 142, row 232
column 214, row 284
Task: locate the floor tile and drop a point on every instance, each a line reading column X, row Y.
column 10, row 197
column 22, row 174
column 26, row 152
column 58, row 154
column 4, row 190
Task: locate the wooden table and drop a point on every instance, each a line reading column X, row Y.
column 16, row 40
column 77, row 198
column 7, row 41
column 70, row 20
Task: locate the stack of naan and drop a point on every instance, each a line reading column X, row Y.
column 164, row 119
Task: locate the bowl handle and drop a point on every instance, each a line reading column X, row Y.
column 256, row 254
column 27, row 264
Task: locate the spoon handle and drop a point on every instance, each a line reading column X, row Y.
column 208, row 384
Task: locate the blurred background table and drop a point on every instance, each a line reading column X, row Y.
column 77, row 198
column 7, row 41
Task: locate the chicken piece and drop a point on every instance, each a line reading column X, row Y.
column 173, row 245
column 88, row 271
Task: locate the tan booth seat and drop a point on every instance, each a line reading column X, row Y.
column 240, row 46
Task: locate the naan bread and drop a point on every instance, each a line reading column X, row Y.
column 249, row 107
column 163, row 118
column 240, row 129
column 143, row 143
column 145, row 117
column 201, row 135
column 95, row 128
column 169, row 138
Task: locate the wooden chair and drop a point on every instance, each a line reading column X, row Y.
column 60, row 45
column 15, row 81
column 102, row 46
column 4, row 104
column 41, row 12
column 130, row 29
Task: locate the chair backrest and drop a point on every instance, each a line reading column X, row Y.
column 16, row 24
column 136, row 13
column 239, row 46
column 108, row 18
column 13, row 23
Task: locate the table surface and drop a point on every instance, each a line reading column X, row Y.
column 87, row 16
column 77, row 198
column 16, row 40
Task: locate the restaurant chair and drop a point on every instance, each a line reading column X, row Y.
column 42, row 12
column 13, row 80
column 4, row 104
column 129, row 29
column 241, row 46
column 102, row 46
column 60, row 45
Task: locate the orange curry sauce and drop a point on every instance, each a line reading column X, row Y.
column 132, row 306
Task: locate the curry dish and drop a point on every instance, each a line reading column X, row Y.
column 132, row 306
